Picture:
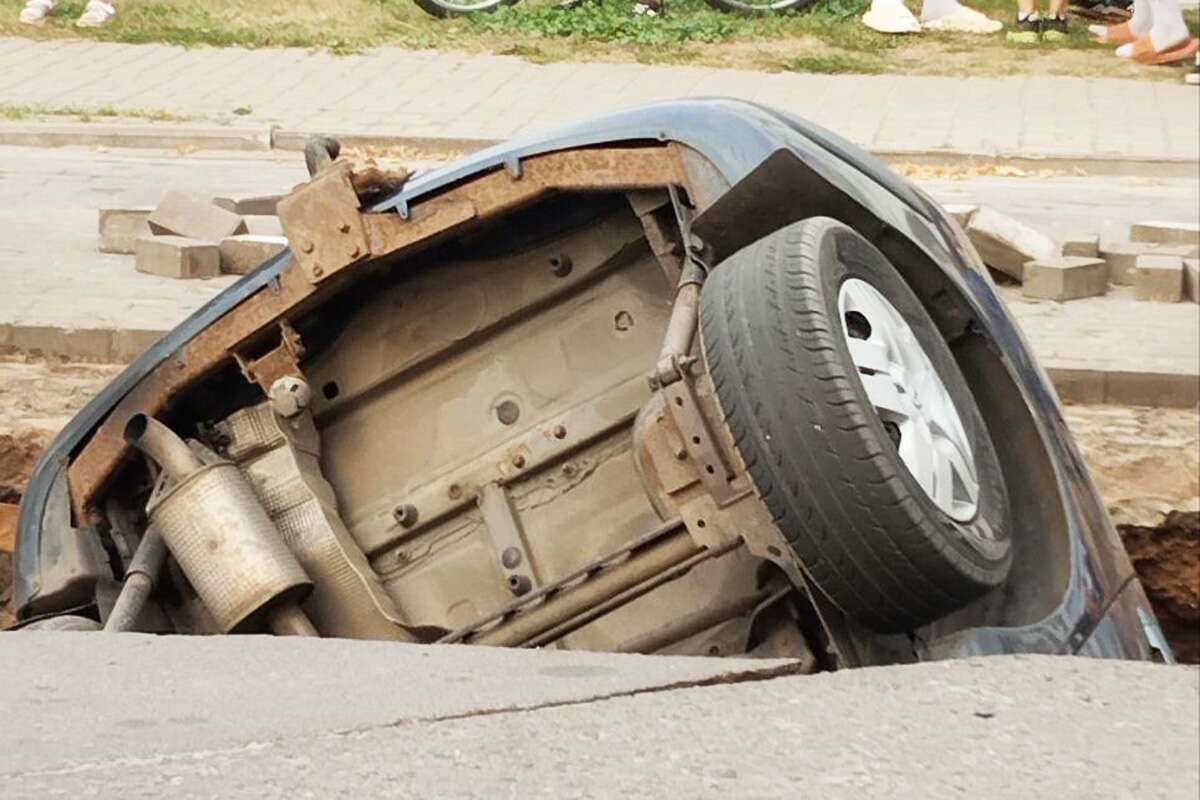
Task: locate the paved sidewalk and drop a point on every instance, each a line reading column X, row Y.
column 438, row 93
column 61, row 297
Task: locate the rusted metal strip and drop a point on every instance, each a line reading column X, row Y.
column 383, row 235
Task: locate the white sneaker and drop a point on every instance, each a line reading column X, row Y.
column 891, row 18
column 963, row 20
column 95, row 14
column 35, row 11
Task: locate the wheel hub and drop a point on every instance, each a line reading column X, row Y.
column 910, row 398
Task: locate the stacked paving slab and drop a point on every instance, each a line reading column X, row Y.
column 187, row 236
column 1161, row 260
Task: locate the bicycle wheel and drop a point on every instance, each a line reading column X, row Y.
column 456, row 8
column 758, row 6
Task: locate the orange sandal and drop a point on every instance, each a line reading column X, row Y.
column 1144, row 53
column 1112, row 34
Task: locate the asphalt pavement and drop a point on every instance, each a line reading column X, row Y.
column 131, row 716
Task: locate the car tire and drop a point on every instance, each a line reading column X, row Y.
column 837, row 463
column 66, row 622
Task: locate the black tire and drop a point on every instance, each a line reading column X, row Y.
column 765, row 7
column 67, row 622
column 868, row 535
column 442, row 10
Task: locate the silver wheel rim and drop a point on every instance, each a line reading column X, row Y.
column 910, row 398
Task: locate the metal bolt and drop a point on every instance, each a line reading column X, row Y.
column 318, row 270
column 519, row 584
column 559, row 432
column 507, row 412
column 289, row 396
column 344, row 227
column 511, row 557
column 454, row 491
column 518, row 461
column 623, row 321
column 569, row 470
column 406, row 515
column 307, row 246
column 354, row 251
column 561, row 265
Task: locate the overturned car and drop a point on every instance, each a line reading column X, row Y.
column 694, row 378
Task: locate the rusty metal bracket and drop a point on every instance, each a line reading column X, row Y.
column 282, row 360
column 715, row 471
column 508, row 539
column 322, row 223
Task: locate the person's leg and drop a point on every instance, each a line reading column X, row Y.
column 1028, row 25
column 949, row 15
column 1168, row 41
column 1141, row 19
column 96, row 13
column 1054, row 29
column 35, row 11
column 1137, row 25
column 936, row 9
column 890, row 16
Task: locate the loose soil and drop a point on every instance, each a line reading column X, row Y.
column 1167, row 558
column 1145, row 462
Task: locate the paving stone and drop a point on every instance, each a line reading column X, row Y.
column 263, row 225
column 1065, row 278
column 81, row 344
column 1165, row 233
column 240, row 254
column 1159, row 278
column 177, row 257
column 182, row 214
column 1181, row 250
column 1006, row 244
column 1122, row 260
column 962, row 212
column 1081, row 244
column 1191, row 279
column 259, row 205
column 121, row 227
column 129, row 344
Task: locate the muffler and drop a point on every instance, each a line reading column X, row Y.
column 222, row 538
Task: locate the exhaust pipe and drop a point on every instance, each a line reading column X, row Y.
column 222, row 538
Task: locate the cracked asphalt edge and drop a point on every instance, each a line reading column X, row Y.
column 766, row 673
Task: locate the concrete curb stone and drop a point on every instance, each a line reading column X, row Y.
column 146, row 136
column 171, row 136
column 121, row 346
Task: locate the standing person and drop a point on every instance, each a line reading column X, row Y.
column 95, row 13
column 1155, row 34
column 891, row 16
column 1030, row 24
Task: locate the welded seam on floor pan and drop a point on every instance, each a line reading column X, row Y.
column 785, row 670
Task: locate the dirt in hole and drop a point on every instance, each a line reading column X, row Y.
column 1167, row 559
